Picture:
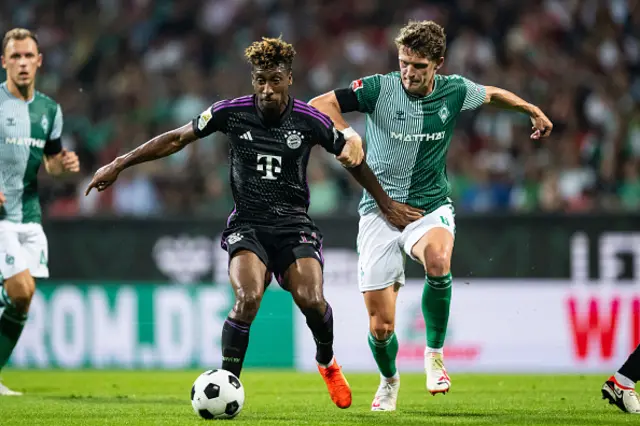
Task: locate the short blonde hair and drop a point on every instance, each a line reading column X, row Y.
column 19, row 34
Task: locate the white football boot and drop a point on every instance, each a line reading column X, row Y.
column 386, row 395
column 624, row 397
column 438, row 380
column 5, row 391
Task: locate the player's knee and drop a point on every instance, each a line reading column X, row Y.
column 438, row 261
column 382, row 329
column 20, row 289
column 309, row 299
column 247, row 305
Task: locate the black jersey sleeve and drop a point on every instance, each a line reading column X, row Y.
column 326, row 133
column 212, row 120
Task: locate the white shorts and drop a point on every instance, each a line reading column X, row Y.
column 382, row 247
column 23, row 246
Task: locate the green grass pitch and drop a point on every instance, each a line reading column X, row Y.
column 273, row 398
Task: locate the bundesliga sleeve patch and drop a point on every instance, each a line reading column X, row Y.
column 205, row 117
column 357, row 85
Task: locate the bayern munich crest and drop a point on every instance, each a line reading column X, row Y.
column 294, row 139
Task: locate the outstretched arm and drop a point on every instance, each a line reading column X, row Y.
column 398, row 214
column 161, row 146
column 353, row 152
column 361, row 95
column 367, row 179
column 158, row 147
column 501, row 98
column 328, row 104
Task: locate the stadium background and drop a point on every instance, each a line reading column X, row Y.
column 548, row 253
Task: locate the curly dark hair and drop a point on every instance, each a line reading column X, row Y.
column 270, row 53
column 426, row 38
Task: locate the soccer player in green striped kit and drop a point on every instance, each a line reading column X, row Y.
column 30, row 129
column 410, row 119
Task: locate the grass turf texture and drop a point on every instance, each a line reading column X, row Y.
column 273, row 398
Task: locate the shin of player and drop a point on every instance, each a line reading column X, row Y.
column 619, row 389
column 35, row 121
column 433, row 250
column 303, row 278
column 249, row 277
column 16, row 297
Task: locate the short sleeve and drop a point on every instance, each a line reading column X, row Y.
column 53, row 145
column 212, row 119
column 327, row 135
column 474, row 95
column 367, row 90
column 56, row 130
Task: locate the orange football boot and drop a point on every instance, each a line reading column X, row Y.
column 337, row 384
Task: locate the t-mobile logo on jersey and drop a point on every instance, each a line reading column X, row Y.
column 269, row 164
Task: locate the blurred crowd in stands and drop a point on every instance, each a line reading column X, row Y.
column 126, row 70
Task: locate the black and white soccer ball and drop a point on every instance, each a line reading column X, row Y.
column 217, row 394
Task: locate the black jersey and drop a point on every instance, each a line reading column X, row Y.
column 268, row 161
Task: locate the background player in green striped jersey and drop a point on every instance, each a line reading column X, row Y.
column 30, row 129
column 410, row 119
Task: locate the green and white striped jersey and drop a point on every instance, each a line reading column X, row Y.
column 26, row 131
column 408, row 136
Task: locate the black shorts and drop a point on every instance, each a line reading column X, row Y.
column 277, row 247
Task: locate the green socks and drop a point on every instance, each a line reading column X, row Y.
column 11, row 325
column 385, row 352
column 436, row 300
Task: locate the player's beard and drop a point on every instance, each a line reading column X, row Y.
column 272, row 109
column 25, row 85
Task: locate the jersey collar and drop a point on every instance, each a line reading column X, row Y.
column 285, row 114
column 6, row 89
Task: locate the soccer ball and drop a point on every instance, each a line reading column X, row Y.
column 217, row 394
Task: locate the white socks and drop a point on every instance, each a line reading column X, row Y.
column 624, row 381
column 392, row 379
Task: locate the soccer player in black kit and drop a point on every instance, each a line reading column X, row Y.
column 269, row 232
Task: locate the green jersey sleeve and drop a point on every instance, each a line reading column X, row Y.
column 56, row 130
column 474, row 94
column 367, row 90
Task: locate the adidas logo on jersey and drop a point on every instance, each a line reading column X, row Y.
column 246, row 136
column 419, row 137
